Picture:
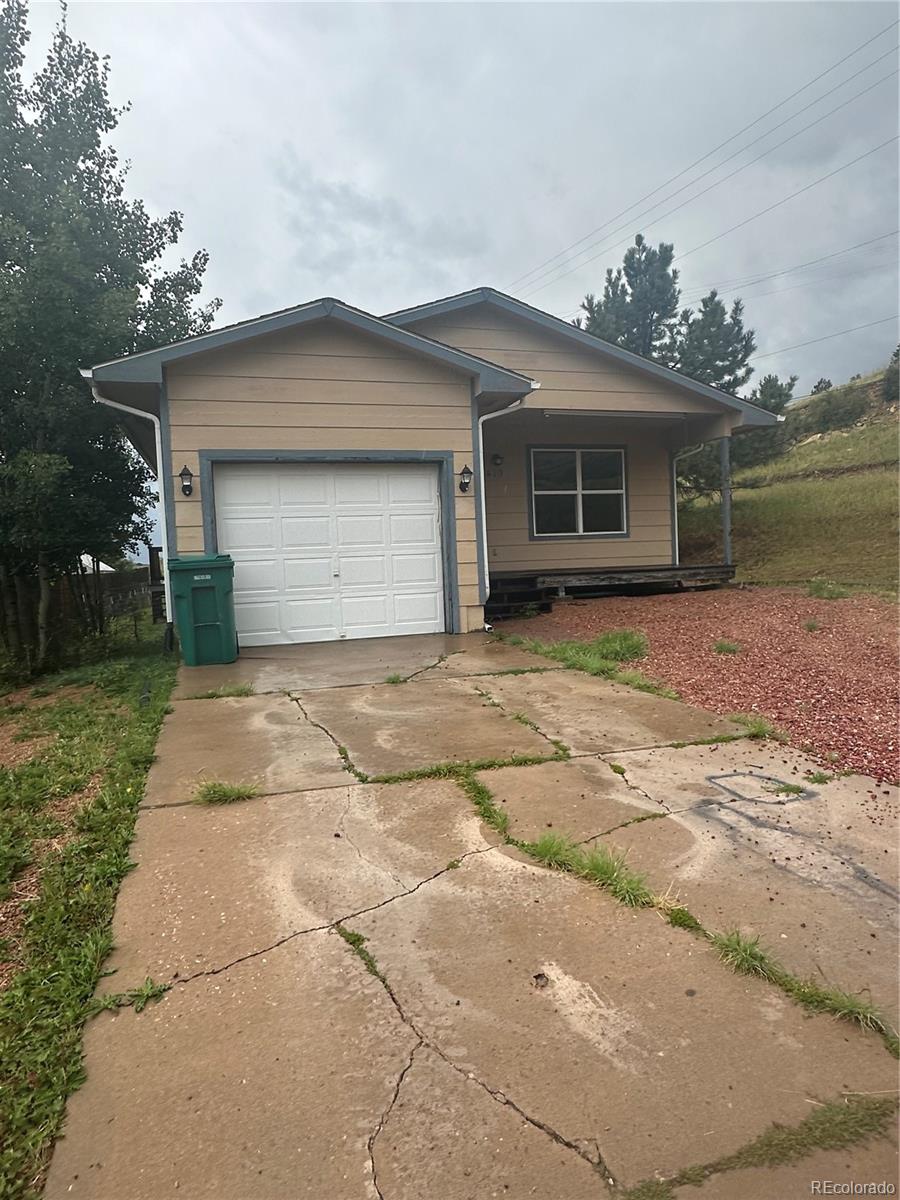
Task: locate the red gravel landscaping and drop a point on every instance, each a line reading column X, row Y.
column 834, row 689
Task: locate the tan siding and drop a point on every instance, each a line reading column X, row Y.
column 320, row 388
column 570, row 377
column 648, row 495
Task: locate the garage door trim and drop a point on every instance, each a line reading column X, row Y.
column 442, row 458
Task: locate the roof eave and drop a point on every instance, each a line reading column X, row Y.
column 752, row 413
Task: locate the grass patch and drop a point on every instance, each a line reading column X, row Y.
column 682, row 918
column 483, row 800
column 821, row 589
column 726, row 647
column 104, row 743
column 608, row 869
column 594, row 658
column 784, row 533
column 787, row 789
column 138, row 998
column 395, row 679
column 216, row 792
column 617, row 768
column 349, row 766
column 818, row 777
column 811, row 626
column 834, row 1126
column 745, row 955
column 757, row 726
column 555, row 850
column 224, row 691
column 357, row 944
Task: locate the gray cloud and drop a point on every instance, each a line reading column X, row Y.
column 388, row 153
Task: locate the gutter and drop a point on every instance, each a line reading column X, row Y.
column 157, row 433
column 502, row 412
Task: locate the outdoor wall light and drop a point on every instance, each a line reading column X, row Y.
column 187, row 480
column 497, row 460
column 465, row 478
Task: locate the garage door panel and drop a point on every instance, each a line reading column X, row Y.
column 416, row 568
column 301, row 574
column 410, row 530
column 416, row 608
column 331, row 551
column 363, row 571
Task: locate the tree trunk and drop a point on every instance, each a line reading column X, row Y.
column 43, row 614
column 26, row 618
column 11, row 635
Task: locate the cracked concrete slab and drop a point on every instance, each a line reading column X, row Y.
column 581, row 797
column 213, row 884
column 872, row 1163
column 638, row 1019
column 487, row 658
column 238, row 1087
column 260, row 740
column 594, row 716
column 446, row 1137
column 326, row 664
column 403, row 727
column 769, row 867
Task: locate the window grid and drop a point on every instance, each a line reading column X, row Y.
column 579, row 531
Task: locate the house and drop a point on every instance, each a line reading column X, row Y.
column 374, row 476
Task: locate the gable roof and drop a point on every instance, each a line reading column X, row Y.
column 147, row 366
column 753, row 414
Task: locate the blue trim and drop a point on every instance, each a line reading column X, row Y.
column 409, row 316
column 164, row 470
column 576, row 537
column 443, row 459
column 673, row 503
column 148, row 366
column 479, row 520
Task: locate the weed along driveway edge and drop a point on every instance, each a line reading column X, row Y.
column 478, row 926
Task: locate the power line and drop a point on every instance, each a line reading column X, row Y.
column 752, row 280
column 778, row 203
column 868, row 271
column 716, row 183
column 826, row 338
column 715, row 149
column 661, row 216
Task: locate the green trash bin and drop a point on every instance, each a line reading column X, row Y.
column 203, row 599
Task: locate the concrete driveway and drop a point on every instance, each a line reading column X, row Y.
column 373, row 995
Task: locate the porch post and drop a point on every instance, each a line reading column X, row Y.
column 725, row 477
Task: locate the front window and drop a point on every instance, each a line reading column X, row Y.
column 578, row 492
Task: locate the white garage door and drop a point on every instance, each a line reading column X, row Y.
column 331, row 551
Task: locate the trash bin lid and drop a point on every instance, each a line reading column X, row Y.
column 193, row 562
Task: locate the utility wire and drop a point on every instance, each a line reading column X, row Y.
column 778, row 203
column 826, row 338
column 721, row 145
column 710, row 187
column 752, row 280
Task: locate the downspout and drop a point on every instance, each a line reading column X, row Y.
column 157, row 433
column 502, row 412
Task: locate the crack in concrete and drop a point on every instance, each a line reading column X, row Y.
column 343, row 753
column 559, row 747
column 328, row 925
column 383, row 1119
column 595, row 1160
column 298, row 791
column 342, row 831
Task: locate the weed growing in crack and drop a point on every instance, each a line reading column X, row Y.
column 555, row 850
column 216, row 792
column 682, row 918
column 453, row 865
column 834, row 1126
column 357, row 944
column 757, row 726
column 483, row 800
column 395, row 679
column 787, row 789
column 224, row 691
column 818, row 777
column 348, row 766
column 596, row 658
column 617, row 768
column 745, row 955
column 608, row 870
column 138, row 998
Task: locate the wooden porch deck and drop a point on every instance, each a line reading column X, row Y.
column 514, row 591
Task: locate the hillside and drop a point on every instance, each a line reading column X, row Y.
column 825, row 507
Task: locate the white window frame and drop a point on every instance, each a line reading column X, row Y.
column 579, row 492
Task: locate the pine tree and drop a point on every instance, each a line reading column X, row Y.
column 712, row 345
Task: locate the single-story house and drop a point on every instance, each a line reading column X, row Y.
column 373, row 476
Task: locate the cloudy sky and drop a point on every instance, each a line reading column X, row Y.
column 391, row 153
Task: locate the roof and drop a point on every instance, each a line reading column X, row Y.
column 753, row 414
column 147, row 366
